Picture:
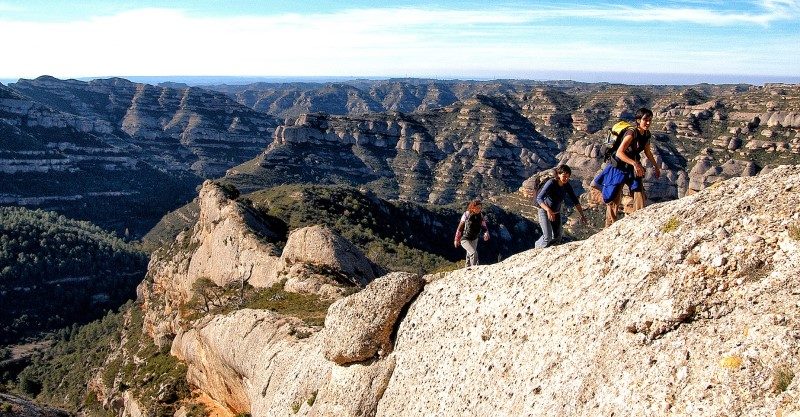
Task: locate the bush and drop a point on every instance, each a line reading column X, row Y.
column 794, row 230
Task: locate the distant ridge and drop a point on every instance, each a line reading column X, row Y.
column 546, row 76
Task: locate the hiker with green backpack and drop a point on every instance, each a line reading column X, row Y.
column 625, row 167
column 469, row 229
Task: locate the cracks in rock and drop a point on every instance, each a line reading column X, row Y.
column 400, row 317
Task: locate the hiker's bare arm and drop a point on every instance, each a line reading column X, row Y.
column 648, row 152
column 580, row 211
column 638, row 169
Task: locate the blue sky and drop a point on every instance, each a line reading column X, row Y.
column 699, row 40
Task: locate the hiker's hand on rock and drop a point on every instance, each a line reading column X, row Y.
column 638, row 169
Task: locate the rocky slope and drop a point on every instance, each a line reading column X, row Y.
column 425, row 141
column 16, row 406
column 480, row 146
column 683, row 308
column 186, row 129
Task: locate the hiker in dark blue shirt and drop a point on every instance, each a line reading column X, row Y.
column 549, row 199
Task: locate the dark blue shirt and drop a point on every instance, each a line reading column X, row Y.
column 553, row 194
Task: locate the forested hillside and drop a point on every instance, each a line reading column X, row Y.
column 55, row 271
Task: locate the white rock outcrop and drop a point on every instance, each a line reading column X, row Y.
column 230, row 245
column 689, row 307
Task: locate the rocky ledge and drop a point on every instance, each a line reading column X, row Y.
column 688, row 307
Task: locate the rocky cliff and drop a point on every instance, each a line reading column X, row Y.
column 684, row 308
column 425, row 141
column 176, row 129
column 118, row 153
column 487, row 138
column 231, row 244
column 480, row 146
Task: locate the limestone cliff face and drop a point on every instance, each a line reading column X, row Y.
column 479, row 147
column 230, row 244
column 684, row 308
column 182, row 130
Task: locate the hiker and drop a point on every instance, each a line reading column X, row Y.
column 625, row 167
column 549, row 199
column 469, row 229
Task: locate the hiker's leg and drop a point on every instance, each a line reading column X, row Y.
column 612, row 207
column 471, row 246
column 639, row 198
column 558, row 229
column 547, row 230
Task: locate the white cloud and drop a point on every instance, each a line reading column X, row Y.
column 400, row 41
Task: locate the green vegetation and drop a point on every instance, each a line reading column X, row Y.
column 794, row 230
column 312, row 399
column 671, row 225
column 781, row 378
column 81, row 270
column 58, row 376
column 210, row 298
column 391, row 236
column 398, row 236
column 126, row 359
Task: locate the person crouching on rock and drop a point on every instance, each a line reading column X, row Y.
column 549, row 199
column 469, row 229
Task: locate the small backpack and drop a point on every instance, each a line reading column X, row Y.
column 614, row 138
column 472, row 227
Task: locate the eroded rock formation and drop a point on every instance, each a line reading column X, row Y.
column 230, row 244
column 683, row 308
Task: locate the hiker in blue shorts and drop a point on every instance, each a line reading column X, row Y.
column 625, row 167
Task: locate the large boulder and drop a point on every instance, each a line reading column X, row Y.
column 359, row 327
column 320, row 246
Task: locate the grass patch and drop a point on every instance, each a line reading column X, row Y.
column 308, row 307
column 312, row 399
column 781, row 378
column 671, row 225
column 794, row 230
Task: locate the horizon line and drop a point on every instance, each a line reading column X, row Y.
column 625, row 78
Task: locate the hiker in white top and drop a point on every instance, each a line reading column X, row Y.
column 469, row 229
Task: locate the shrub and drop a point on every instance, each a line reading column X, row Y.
column 312, row 399
column 671, row 225
column 781, row 378
column 794, row 230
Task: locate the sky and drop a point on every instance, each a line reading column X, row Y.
column 639, row 42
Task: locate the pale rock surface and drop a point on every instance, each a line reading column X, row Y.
column 697, row 317
column 230, row 246
column 320, row 246
column 359, row 327
column 259, row 362
column 226, row 246
column 688, row 307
